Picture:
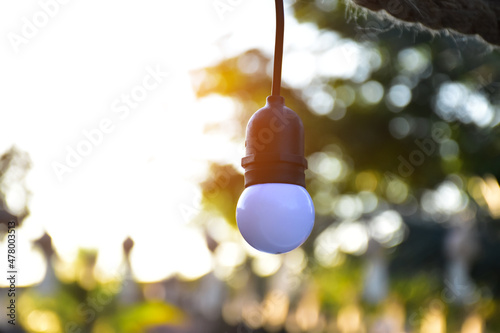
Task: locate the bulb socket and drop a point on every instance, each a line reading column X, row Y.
column 274, row 146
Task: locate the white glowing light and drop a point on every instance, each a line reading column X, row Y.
column 275, row 218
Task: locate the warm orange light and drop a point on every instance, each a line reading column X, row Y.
column 433, row 321
column 491, row 193
column 349, row 319
column 275, row 308
column 473, row 324
column 307, row 315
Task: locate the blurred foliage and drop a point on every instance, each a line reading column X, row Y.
column 221, row 192
column 152, row 314
column 82, row 304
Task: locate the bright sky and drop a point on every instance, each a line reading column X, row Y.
column 73, row 73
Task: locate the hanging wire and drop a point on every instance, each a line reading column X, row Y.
column 278, row 48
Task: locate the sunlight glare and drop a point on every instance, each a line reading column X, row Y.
column 31, row 270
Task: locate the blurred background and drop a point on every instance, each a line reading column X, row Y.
column 122, row 132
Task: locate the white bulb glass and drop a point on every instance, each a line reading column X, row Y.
column 275, row 218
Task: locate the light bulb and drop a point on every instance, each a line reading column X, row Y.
column 275, row 214
column 275, row 218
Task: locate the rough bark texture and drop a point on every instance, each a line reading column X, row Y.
column 469, row 17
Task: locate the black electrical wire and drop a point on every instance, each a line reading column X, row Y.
column 278, row 48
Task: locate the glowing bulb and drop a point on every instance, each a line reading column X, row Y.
column 275, row 214
column 275, row 218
